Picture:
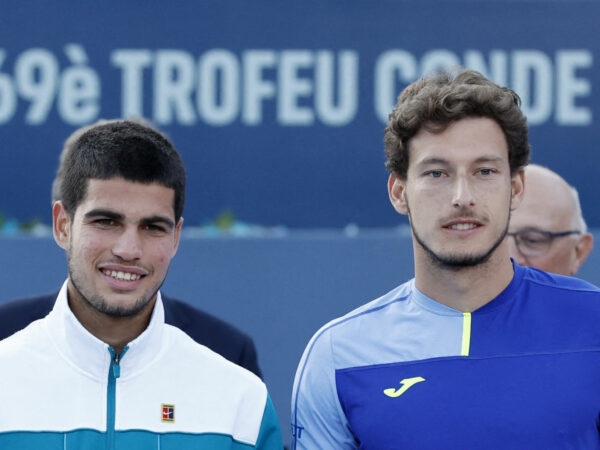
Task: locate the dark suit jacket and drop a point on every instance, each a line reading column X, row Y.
column 204, row 328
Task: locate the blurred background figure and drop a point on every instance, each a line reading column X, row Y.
column 547, row 230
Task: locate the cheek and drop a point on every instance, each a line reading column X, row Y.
column 561, row 254
column 163, row 260
column 89, row 246
column 93, row 245
column 163, row 253
column 426, row 194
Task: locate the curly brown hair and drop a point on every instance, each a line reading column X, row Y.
column 433, row 103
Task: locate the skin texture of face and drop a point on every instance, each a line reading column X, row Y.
column 458, row 192
column 550, row 205
column 458, row 195
column 119, row 245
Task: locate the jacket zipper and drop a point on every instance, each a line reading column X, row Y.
column 114, row 372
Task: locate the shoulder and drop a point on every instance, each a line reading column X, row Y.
column 559, row 285
column 551, row 298
column 196, row 322
column 202, row 359
column 24, row 343
column 371, row 321
column 353, row 339
column 369, row 314
column 38, row 305
column 17, row 314
column 217, row 334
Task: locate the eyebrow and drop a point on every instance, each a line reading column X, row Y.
column 482, row 159
column 428, row 161
column 121, row 217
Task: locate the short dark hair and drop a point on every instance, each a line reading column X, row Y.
column 433, row 103
column 118, row 148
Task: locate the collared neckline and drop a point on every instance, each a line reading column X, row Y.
column 91, row 355
column 507, row 294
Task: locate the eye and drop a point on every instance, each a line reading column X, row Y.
column 486, row 171
column 105, row 222
column 528, row 240
column 156, row 228
column 533, row 239
column 434, row 173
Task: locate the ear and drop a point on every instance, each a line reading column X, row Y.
column 61, row 225
column 584, row 246
column 177, row 236
column 517, row 182
column 397, row 194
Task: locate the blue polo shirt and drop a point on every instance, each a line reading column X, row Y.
column 406, row 372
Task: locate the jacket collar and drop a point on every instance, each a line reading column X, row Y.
column 91, row 355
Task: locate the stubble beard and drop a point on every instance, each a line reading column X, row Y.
column 456, row 261
column 99, row 303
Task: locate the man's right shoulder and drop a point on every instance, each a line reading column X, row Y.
column 213, row 332
column 191, row 319
column 399, row 294
column 17, row 314
column 370, row 316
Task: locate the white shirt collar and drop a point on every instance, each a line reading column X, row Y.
column 90, row 354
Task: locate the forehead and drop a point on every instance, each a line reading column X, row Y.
column 466, row 140
column 131, row 199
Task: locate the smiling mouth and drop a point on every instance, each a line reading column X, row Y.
column 123, row 276
column 462, row 226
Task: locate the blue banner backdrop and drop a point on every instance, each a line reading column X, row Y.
column 279, row 107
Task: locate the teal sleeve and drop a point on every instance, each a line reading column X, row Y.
column 269, row 437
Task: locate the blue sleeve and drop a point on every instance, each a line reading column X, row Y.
column 318, row 420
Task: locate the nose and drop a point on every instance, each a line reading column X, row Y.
column 128, row 245
column 463, row 193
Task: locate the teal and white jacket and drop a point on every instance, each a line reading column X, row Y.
column 62, row 388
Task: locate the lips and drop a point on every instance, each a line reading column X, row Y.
column 121, row 275
column 462, row 224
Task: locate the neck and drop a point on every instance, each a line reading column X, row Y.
column 464, row 289
column 114, row 331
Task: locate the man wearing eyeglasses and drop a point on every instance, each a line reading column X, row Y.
column 547, row 230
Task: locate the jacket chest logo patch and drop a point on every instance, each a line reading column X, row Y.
column 405, row 384
column 168, row 413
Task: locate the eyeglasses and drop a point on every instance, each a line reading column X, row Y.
column 535, row 242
